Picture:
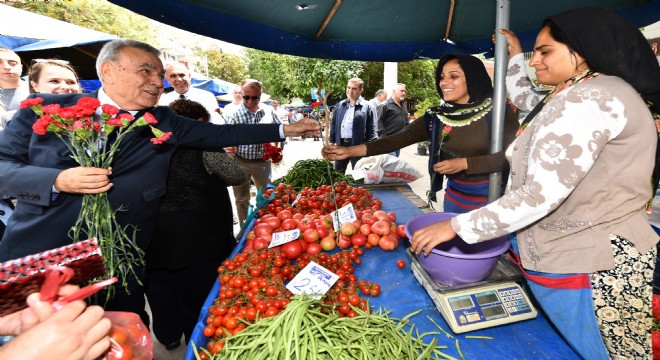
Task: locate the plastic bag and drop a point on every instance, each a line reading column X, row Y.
column 385, row 169
column 129, row 337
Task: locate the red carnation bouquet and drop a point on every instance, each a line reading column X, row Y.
column 87, row 141
column 272, row 153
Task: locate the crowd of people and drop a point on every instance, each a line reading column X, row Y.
column 579, row 165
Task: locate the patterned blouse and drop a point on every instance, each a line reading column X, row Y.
column 560, row 153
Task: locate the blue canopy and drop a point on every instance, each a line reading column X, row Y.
column 373, row 30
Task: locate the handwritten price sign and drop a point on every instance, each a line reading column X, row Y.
column 314, row 279
column 343, row 215
column 284, row 237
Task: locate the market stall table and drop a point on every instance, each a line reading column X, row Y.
column 402, row 294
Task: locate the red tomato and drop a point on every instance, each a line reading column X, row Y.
column 401, row 264
column 288, row 224
column 284, row 214
column 323, row 231
column 358, row 239
column 388, row 242
column 262, row 229
column 401, row 230
column 328, row 243
column 311, row 235
column 314, row 248
column 392, row 216
column 381, row 227
column 209, row 331
column 273, row 221
column 292, row 249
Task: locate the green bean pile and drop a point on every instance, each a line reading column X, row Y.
column 313, row 173
column 309, row 329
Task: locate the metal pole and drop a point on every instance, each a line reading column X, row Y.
column 499, row 95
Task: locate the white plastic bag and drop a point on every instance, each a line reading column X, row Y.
column 384, row 169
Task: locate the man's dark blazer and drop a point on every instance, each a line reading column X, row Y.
column 363, row 123
column 29, row 164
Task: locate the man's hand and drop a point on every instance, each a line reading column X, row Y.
column 451, row 166
column 83, row 180
column 306, row 126
column 334, row 152
column 231, row 151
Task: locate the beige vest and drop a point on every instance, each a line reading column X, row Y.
column 575, row 238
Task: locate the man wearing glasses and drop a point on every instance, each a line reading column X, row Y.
column 249, row 157
column 178, row 75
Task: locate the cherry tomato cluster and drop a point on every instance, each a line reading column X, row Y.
column 321, row 200
column 253, row 287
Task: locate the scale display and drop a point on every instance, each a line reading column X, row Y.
column 478, row 307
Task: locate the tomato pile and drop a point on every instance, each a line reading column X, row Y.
column 253, row 282
column 253, row 287
column 321, row 200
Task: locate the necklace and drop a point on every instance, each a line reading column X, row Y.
column 584, row 76
column 463, row 116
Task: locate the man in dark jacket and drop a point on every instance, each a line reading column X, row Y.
column 352, row 122
column 39, row 171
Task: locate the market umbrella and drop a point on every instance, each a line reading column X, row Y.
column 373, row 30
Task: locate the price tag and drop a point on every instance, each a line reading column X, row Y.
column 358, row 174
column 343, row 215
column 314, row 279
column 296, row 200
column 284, row 237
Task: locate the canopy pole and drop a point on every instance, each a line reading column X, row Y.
column 449, row 18
column 499, row 95
column 328, row 18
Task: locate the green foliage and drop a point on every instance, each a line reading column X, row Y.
column 419, row 77
column 97, row 15
column 228, row 67
column 423, row 105
column 287, row 76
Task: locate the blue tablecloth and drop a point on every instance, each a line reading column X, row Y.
column 402, row 294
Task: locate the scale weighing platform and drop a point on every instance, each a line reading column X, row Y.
column 495, row 301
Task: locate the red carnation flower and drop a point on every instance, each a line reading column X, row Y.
column 67, row 113
column 114, row 122
column 126, row 116
column 31, row 102
column 88, row 105
column 51, row 108
column 161, row 139
column 150, row 119
column 109, row 109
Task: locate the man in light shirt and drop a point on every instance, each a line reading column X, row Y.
column 178, row 75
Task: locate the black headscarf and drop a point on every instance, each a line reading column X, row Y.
column 480, row 88
column 478, row 82
column 612, row 46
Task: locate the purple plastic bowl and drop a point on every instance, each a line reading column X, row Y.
column 456, row 262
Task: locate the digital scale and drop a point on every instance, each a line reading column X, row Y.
column 495, row 301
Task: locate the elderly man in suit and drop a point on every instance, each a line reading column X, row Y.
column 353, row 122
column 39, row 171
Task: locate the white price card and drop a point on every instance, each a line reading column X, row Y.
column 314, row 279
column 358, row 174
column 284, row 237
column 296, row 200
column 343, row 215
